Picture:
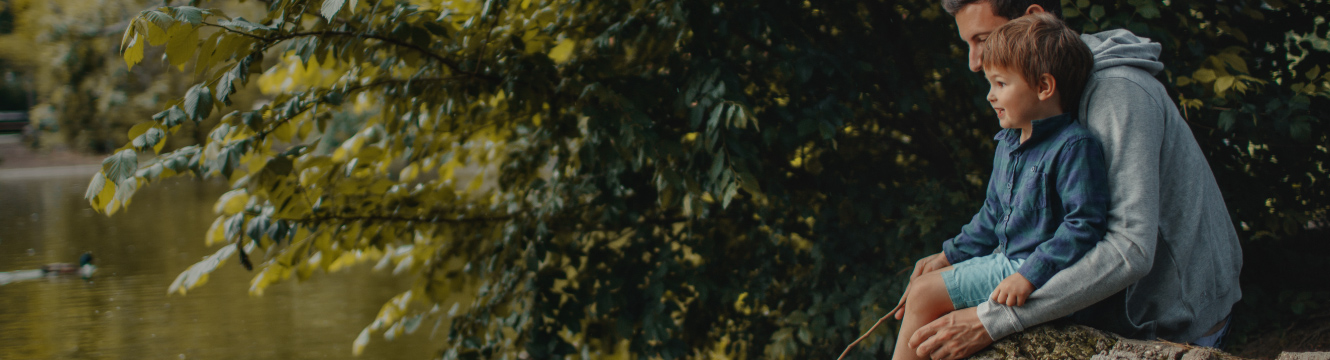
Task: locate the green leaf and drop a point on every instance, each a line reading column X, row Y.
column 1301, row 128
column 170, row 117
column 226, row 86
column 1148, row 11
column 161, row 19
column 198, row 102
column 1314, row 72
column 240, row 24
column 148, row 136
column 120, row 166
column 1227, row 119
column 1097, row 12
column 749, row 182
column 279, row 165
column 95, row 187
column 331, row 7
column 189, row 14
column 436, row 29
column 197, row 274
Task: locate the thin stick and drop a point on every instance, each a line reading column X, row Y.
column 879, row 322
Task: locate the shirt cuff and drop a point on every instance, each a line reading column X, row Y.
column 953, row 255
column 999, row 320
column 1037, row 270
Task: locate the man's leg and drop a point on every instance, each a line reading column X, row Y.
column 1215, row 337
column 927, row 300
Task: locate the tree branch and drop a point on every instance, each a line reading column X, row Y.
column 440, row 58
column 437, row 218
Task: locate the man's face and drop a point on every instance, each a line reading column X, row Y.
column 975, row 22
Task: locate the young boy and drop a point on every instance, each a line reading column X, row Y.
column 1047, row 197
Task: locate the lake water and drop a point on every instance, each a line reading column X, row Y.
column 124, row 312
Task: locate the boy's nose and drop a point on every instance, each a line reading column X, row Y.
column 991, row 97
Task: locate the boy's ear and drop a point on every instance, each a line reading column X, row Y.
column 1034, row 8
column 1046, row 87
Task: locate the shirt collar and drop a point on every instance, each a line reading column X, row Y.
column 1041, row 128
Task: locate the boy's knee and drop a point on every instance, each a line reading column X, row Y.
column 928, row 291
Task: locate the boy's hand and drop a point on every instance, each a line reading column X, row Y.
column 1013, row 291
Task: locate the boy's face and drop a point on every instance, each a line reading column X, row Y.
column 1016, row 101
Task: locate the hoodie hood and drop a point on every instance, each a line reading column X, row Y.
column 1122, row 48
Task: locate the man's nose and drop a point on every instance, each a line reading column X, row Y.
column 975, row 66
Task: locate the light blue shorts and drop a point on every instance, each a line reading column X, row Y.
column 972, row 281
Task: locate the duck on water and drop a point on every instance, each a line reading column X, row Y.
column 84, row 269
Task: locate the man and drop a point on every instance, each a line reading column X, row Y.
column 1168, row 265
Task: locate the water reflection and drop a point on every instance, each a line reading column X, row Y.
column 124, row 310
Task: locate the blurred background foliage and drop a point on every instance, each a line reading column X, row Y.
column 61, row 64
column 667, row 178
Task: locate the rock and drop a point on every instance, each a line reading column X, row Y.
column 1062, row 340
column 1067, row 341
column 1056, row 341
column 1304, row 356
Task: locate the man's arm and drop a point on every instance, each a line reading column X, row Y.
column 1130, row 124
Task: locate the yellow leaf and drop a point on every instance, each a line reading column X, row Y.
column 232, row 202
column 476, row 182
column 139, row 129
column 134, row 54
column 130, row 32
column 1233, row 58
column 1314, row 72
column 104, row 194
column 216, row 233
column 184, row 41
column 409, row 173
column 1203, row 75
column 561, row 52
column 358, row 346
column 1223, row 84
column 285, row 132
column 1183, row 81
column 157, row 149
column 156, row 35
column 447, row 171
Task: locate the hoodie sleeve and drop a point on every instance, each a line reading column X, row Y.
column 1130, row 125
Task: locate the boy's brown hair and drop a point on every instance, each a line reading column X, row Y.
column 1038, row 44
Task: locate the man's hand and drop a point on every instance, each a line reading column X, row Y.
column 953, row 336
column 923, row 266
column 1013, row 290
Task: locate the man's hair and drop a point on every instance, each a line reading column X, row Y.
column 1009, row 9
column 1038, row 44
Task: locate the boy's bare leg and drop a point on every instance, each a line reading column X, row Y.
column 927, row 301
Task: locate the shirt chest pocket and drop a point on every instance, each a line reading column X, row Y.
column 1031, row 191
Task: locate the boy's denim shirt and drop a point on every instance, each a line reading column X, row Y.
column 1047, row 200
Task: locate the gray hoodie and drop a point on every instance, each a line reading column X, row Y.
column 1168, row 265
